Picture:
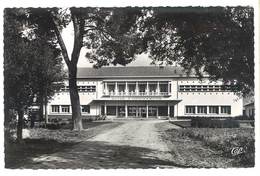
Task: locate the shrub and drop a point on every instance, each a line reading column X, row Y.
column 87, row 120
column 207, row 122
column 213, row 117
column 101, row 117
column 53, row 126
column 93, row 118
column 244, row 117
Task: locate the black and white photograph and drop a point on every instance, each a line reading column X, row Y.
column 129, row 87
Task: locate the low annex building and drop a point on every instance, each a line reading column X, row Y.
column 146, row 92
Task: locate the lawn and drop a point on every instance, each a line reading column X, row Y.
column 223, row 140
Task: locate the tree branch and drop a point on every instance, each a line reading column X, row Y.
column 61, row 42
column 78, row 25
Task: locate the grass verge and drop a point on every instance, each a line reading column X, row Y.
column 225, row 140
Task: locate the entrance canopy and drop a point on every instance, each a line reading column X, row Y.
column 172, row 102
column 136, row 108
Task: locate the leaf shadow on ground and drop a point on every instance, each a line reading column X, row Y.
column 98, row 155
column 16, row 155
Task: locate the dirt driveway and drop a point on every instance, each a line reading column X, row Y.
column 134, row 144
column 145, row 147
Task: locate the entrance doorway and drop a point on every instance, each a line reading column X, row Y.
column 152, row 111
column 141, row 111
column 171, row 111
column 137, row 111
column 121, row 111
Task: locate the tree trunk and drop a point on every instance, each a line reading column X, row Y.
column 74, row 99
column 78, row 26
column 45, row 109
column 20, row 126
column 41, row 107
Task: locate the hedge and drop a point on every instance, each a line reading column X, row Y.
column 205, row 122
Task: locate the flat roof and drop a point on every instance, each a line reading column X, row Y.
column 127, row 72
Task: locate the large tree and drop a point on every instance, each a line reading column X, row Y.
column 23, row 64
column 47, row 72
column 110, row 35
column 218, row 41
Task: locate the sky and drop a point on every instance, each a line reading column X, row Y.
column 67, row 34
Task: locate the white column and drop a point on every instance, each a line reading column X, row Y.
column 147, row 88
column 71, row 109
column 136, row 88
column 157, row 112
column 116, row 110
column 105, row 87
column 126, row 88
column 147, row 109
column 158, row 88
column 175, row 110
column 116, row 89
column 126, row 113
column 105, row 108
column 169, row 87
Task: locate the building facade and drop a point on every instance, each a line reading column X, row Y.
column 146, row 92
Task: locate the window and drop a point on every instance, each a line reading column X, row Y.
column 211, row 89
column 87, row 88
column 65, row 108
column 111, row 87
column 204, row 88
column 202, row 109
column 131, row 87
column 217, row 88
column 225, row 109
column 111, row 110
column 181, row 88
column 162, row 110
column 64, row 89
column 152, row 111
column 121, row 87
column 81, row 88
column 102, row 110
column 85, row 108
column 55, row 108
column 121, row 111
column 142, row 87
column 132, row 110
column 91, row 88
column 213, row 109
column 190, row 109
column 152, row 87
column 163, row 86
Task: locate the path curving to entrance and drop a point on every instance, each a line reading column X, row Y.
column 133, row 144
column 139, row 135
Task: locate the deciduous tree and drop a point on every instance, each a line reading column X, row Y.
column 110, row 34
column 24, row 79
column 218, row 41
